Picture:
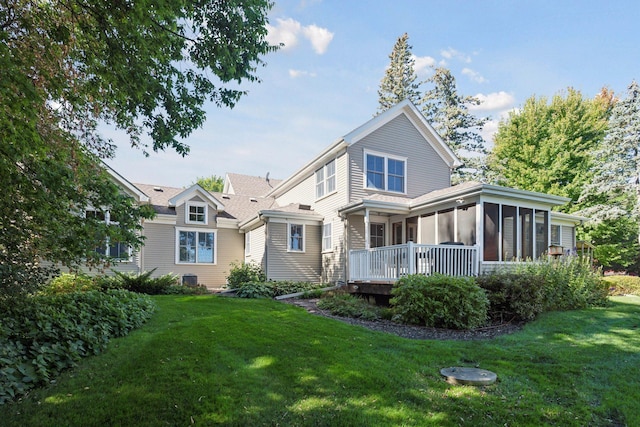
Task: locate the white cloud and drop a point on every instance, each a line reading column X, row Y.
column 300, row 73
column 423, row 62
column 454, row 54
column 319, row 38
column 474, row 75
column 288, row 31
column 494, row 101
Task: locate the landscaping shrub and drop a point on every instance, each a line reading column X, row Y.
column 245, row 273
column 569, row 284
column 439, row 301
column 623, row 285
column 274, row 288
column 42, row 335
column 346, row 305
column 143, row 283
column 67, row 283
column 513, row 296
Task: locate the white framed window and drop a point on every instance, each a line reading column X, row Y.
column 327, row 240
column 376, row 235
column 195, row 246
column 116, row 250
column 196, row 213
column 555, row 235
column 385, row 172
column 326, row 179
column 295, row 238
column 247, row 243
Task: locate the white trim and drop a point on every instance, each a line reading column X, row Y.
column 325, row 180
column 162, row 219
column 247, row 244
column 366, row 152
column 192, row 191
column 303, row 237
column 188, row 204
column 330, row 236
column 196, row 230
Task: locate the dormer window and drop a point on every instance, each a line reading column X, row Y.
column 196, row 213
column 385, row 172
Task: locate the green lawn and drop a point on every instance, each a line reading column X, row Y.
column 209, row 360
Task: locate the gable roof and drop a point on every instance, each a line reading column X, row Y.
column 126, row 185
column 192, row 191
column 405, row 108
column 248, row 185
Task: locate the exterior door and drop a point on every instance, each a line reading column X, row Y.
column 412, row 229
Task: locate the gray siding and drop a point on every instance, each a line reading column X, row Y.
column 257, row 238
column 426, row 171
column 568, row 237
column 356, row 232
column 283, row 265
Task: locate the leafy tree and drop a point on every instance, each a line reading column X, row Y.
column 212, row 183
column 448, row 112
column 68, row 65
column 399, row 82
column 613, row 195
column 547, row 147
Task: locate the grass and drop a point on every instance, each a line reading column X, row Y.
column 221, row 361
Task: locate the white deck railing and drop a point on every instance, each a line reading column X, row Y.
column 389, row 263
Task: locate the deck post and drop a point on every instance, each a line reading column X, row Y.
column 411, row 262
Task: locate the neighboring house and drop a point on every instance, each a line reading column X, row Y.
column 374, row 205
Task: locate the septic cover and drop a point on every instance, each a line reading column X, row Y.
column 472, row 376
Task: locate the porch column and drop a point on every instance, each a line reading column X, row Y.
column 367, row 238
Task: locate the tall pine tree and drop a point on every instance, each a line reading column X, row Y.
column 448, row 112
column 399, row 82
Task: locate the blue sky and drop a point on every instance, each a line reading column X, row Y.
column 324, row 82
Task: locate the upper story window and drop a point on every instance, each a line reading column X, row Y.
column 296, row 238
column 196, row 213
column 326, row 179
column 384, row 172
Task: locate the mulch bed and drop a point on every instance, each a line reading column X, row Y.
column 410, row 331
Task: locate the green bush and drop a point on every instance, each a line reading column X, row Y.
column 439, row 301
column 623, row 285
column 67, row 283
column 513, row 296
column 255, row 290
column 346, row 305
column 569, row 284
column 274, row 289
column 244, row 273
column 42, row 335
column 143, row 283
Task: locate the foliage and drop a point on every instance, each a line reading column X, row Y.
column 347, row 305
column 66, row 67
column 42, row 335
column 513, row 296
column 569, row 284
column 398, row 82
column 623, row 285
column 547, row 147
column 615, row 241
column 439, row 301
column 68, row 283
column 145, row 284
column 273, row 289
column 448, row 112
column 244, row 273
column 212, row 183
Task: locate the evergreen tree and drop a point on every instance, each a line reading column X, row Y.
column 448, row 112
column 614, row 192
column 399, row 82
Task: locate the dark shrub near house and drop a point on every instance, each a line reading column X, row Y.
column 440, row 301
column 513, row 296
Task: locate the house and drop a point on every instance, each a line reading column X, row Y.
column 374, row 205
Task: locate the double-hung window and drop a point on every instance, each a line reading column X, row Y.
column 196, row 247
column 326, row 179
column 296, row 238
column 108, row 247
column 384, row 172
column 327, row 243
column 196, row 213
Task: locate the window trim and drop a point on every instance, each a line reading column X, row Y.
column 187, row 213
column 196, row 230
column 303, row 237
column 327, row 248
column 386, row 157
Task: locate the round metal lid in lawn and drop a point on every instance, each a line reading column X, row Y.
column 471, row 376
